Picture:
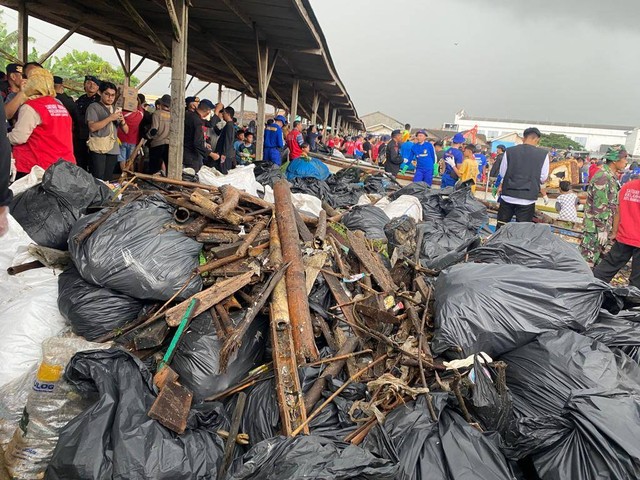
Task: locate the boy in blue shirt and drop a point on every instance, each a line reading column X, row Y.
column 453, row 158
column 405, row 152
column 424, row 156
column 274, row 140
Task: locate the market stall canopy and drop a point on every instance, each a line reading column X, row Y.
column 222, row 42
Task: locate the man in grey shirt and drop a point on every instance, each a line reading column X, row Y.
column 103, row 121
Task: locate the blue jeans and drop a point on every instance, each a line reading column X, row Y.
column 424, row 175
column 126, row 149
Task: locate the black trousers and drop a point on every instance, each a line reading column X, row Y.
column 523, row 213
column 81, row 152
column 615, row 259
column 157, row 156
column 101, row 165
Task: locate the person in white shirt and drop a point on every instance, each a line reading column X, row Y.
column 566, row 204
column 524, row 169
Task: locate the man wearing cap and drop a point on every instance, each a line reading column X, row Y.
column 273, row 140
column 524, row 169
column 602, row 205
column 159, row 136
column 424, row 156
column 195, row 149
column 81, row 132
column 64, row 99
column 453, row 158
column 13, row 96
column 394, row 158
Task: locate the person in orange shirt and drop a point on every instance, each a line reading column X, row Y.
column 469, row 168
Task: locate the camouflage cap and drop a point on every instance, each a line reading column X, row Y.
column 614, row 152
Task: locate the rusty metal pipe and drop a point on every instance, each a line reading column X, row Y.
column 181, row 215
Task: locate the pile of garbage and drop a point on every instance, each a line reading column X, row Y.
column 340, row 328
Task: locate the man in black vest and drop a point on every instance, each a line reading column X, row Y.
column 524, row 169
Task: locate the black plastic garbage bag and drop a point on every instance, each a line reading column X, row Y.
column 310, row 457
column 497, row 308
column 346, row 175
column 621, row 331
column 579, row 408
column 446, row 241
column 93, row 311
column 115, row 438
column 311, row 186
column 347, row 195
column 197, row 357
column 261, row 416
column 462, row 200
column 134, row 253
column 369, row 219
column 379, row 183
column 542, row 374
column 448, row 449
column 267, row 173
column 532, row 245
column 48, row 211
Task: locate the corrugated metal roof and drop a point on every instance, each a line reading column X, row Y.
column 287, row 25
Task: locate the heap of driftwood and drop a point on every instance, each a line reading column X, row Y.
column 266, row 258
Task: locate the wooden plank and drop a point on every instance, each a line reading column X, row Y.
column 371, row 262
column 172, row 406
column 152, row 336
column 313, row 264
column 208, row 298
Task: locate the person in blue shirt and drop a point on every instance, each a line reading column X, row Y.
column 424, row 156
column 274, row 140
column 482, row 165
column 405, row 152
column 453, row 158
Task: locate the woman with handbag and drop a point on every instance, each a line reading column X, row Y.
column 103, row 120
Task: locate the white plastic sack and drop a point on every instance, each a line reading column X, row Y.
column 403, row 205
column 28, row 181
column 28, row 306
column 50, row 405
column 364, row 200
column 241, row 177
column 302, row 201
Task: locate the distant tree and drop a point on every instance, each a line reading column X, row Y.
column 75, row 65
column 9, row 44
column 559, row 141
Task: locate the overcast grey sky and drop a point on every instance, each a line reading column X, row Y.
column 420, row 61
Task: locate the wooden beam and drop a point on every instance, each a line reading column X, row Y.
column 202, row 89
column 241, row 118
column 293, row 109
column 314, row 107
column 189, row 82
column 148, row 31
column 133, row 70
column 151, row 75
column 175, row 24
column 333, row 120
column 230, row 64
column 23, row 32
column 219, row 92
column 178, row 74
column 43, row 58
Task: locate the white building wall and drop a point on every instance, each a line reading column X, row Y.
column 591, row 138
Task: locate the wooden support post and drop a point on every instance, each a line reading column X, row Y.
column 288, row 389
column 264, row 77
column 127, row 66
column 189, row 83
column 43, row 58
column 325, row 119
column 241, row 118
column 294, row 100
column 219, row 92
column 339, row 127
column 178, row 74
column 23, row 32
column 314, row 108
column 333, row 120
column 298, row 301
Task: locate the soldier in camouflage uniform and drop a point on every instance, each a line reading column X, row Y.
column 602, row 204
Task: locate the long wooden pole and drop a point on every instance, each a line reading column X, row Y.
column 295, row 277
column 178, row 74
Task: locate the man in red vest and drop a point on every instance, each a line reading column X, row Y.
column 43, row 133
column 295, row 141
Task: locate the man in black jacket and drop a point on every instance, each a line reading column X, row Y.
column 195, row 150
column 495, row 168
column 524, row 169
column 394, row 158
column 81, row 130
column 224, row 147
